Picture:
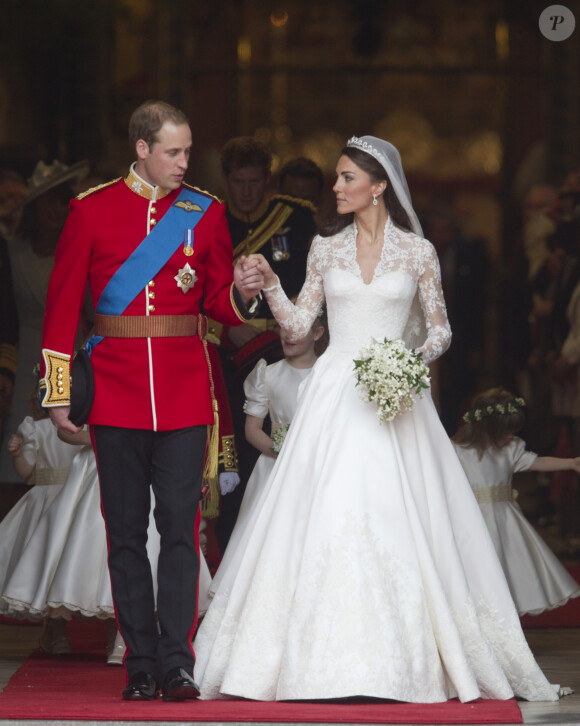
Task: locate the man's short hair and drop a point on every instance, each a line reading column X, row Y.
column 304, row 168
column 148, row 118
column 244, row 151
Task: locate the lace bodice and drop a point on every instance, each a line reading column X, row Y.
column 358, row 312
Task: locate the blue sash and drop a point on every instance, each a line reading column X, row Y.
column 150, row 256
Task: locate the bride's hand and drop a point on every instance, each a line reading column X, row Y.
column 262, row 264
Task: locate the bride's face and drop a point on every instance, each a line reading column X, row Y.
column 353, row 187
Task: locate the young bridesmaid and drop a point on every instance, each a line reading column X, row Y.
column 271, row 390
column 43, row 461
column 491, row 453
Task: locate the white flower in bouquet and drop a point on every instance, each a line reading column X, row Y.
column 389, row 374
column 278, row 436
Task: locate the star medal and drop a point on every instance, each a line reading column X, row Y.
column 185, row 278
column 281, row 246
column 188, row 242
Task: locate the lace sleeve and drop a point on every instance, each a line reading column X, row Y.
column 297, row 318
column 433, row 305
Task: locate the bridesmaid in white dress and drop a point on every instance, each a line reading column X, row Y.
column 491, row 453
column 271, row 390
column 367, row 568
column 43, row 461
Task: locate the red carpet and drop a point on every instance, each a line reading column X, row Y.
column 567, row 616
column 81, row 686
column 84, row 687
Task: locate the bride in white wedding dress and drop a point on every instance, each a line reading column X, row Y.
column 367, row 568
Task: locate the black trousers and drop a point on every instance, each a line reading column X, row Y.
column 131, row 463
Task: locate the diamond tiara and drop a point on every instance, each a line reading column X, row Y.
column 369, row 149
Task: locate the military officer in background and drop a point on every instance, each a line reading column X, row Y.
column 281, row 227
column 152, row 248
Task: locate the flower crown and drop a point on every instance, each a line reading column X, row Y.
column 496, row 409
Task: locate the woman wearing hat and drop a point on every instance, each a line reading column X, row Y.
column 31, row 253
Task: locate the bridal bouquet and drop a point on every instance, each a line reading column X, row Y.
column 390, row 373
column 278, row 436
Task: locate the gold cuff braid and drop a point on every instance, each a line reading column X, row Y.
column 56, row 381
column 240, row 313
column 228, row 457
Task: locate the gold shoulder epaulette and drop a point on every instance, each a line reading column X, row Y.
column 296, row 201
column 203, row 191
column 98, row 188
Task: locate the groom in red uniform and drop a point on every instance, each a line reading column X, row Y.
column 152, row 249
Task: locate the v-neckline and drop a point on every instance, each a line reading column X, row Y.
column 356, row 262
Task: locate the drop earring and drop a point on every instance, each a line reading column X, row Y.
column 375, row 201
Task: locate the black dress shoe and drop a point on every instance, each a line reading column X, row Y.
column 141, row 687
column 179, row 686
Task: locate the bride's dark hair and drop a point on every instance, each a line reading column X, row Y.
column 376, row 173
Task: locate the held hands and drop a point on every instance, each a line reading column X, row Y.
column 262, row 264
column 247, row 278
column 252, row 274
column 576, row 464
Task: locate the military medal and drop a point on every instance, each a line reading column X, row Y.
column 185, row 278
column 188, row 242
column 280, row 246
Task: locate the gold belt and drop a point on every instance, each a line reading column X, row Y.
column 50, row 476
column 150, row 326
column 487, row 495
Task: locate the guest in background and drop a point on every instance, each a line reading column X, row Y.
column 525, row 289
column 12, row 193
column 8, row 336
column 31, row 253
column 302, row 178
column 464, row 274
column 562, row 363
column 280, row 227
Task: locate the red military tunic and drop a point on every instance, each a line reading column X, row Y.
column 159, row 383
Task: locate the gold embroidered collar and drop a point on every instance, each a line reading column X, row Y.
column 258, row 213
column 138, row 185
